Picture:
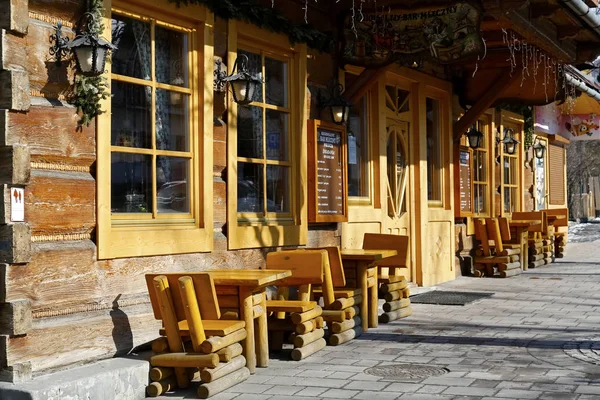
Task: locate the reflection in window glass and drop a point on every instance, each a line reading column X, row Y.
column 358, row 150
column 171, row 61
column 276, row 82
column 131, row 183
column 250, row 192
column 278, row 189
column 172, row 120
column 250, row 132
column 131, row 115
column 434, row 151
column 132, row 38
column 277, row 134
column 254, row 68
column 172, row 184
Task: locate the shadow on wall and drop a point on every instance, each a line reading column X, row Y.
column 121, row 333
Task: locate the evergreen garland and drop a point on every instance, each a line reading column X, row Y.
column 267, row 18
column 88, row 91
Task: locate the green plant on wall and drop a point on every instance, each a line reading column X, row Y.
column 87, row 92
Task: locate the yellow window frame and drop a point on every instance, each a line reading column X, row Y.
column 254, row 231
column 516, row 122
column 131, row 235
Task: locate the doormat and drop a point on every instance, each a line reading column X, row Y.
column 448, row 298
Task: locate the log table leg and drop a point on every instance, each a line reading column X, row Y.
column 523, row 236
column 373, row 302
column 361, row 271
column 262, row 340
column 247, row 310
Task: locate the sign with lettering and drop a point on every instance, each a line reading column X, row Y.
column 466, row 202
column 447, row 33
column 327, row 172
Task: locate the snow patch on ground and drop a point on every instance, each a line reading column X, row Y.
column 584, row 231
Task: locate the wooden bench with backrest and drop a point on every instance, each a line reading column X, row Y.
column 541, row 237
column 193, row 343
column 561, row 228
column 493, row 258
column 300, row 317
column 393, row 286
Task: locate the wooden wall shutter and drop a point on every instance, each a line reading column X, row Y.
column 556, row 175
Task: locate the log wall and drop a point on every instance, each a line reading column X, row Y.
column 61, row 306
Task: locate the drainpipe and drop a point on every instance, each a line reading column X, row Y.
column 585, row 13
column 581, row 86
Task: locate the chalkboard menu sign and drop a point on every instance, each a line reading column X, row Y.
column 327, row 181
column 466, row 182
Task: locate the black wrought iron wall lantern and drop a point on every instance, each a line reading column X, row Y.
column 509, row 142
column 337, row 105
column 475, row 137
column 244, row 86
column 539, row 148
column 90, row 50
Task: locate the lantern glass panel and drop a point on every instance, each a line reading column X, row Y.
column 85, row 56
column 510, row 148
column 100, row 59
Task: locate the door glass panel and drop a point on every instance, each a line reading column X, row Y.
column 397, row 169
column 434, row 151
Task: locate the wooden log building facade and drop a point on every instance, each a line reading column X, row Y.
column 175, row 176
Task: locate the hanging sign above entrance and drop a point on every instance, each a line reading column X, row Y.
column 447, row 33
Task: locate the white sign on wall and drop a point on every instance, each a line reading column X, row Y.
column 17, row 204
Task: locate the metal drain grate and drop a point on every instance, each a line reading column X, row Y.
column 406, row 372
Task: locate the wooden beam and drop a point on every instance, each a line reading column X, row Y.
column 362, row 83
column 14, row 15
column 543, row 10
column 15, row 243
column 14, row 90
column 15, row 317
column 567, row 32
column 494, row 90
column 15, row 165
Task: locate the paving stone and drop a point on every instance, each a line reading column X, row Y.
column 469, row 391
column 432, row 389
column 365, row 385
column 588, row 390
column 250, row 388
column 339, row 394
column 371, row 395
column 283, row 390
column 518, row 394
column 403, row 387
column 311, row 391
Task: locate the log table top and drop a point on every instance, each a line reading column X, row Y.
column 366, row 255
column 522, row 224
column 248, row 277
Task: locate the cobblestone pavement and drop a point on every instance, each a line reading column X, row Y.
column 537, row 337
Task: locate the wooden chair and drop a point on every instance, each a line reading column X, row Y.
column 541, row 237
column 493, row 258
column 561, row 228
column 302, row 317
column 193, row 344
column 393, row 287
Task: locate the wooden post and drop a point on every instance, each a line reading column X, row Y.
column 301, row 353
column 303, row 340
column 230, row 352
column 361, row 270
column 212, row 374
column 298, row 318
column 346, row 336
column 246, row 308
column 185, row 360
column 373, row 301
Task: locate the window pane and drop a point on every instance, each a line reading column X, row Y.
column 276, row 82
column 250, row 132
column 358, row 176
column 506, row 170
column 172, row 120
column 172, row 184
column 131, row 183
column 510, row 197
column 480, row 198
column 130, row 118
column 277, row 135
column 133, row 56
column 434, row 154
column 171, row 61
column 250, row 191
column 254, row 67
column 278, row 189
column 481, row 166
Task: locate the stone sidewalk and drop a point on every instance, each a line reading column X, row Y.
column 537, row 337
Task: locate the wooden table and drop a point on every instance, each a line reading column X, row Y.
column 362, row 261
column 249, row 282
column 523, row 238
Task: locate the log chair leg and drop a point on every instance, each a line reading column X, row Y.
column 373, row 304
column 361, row 270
